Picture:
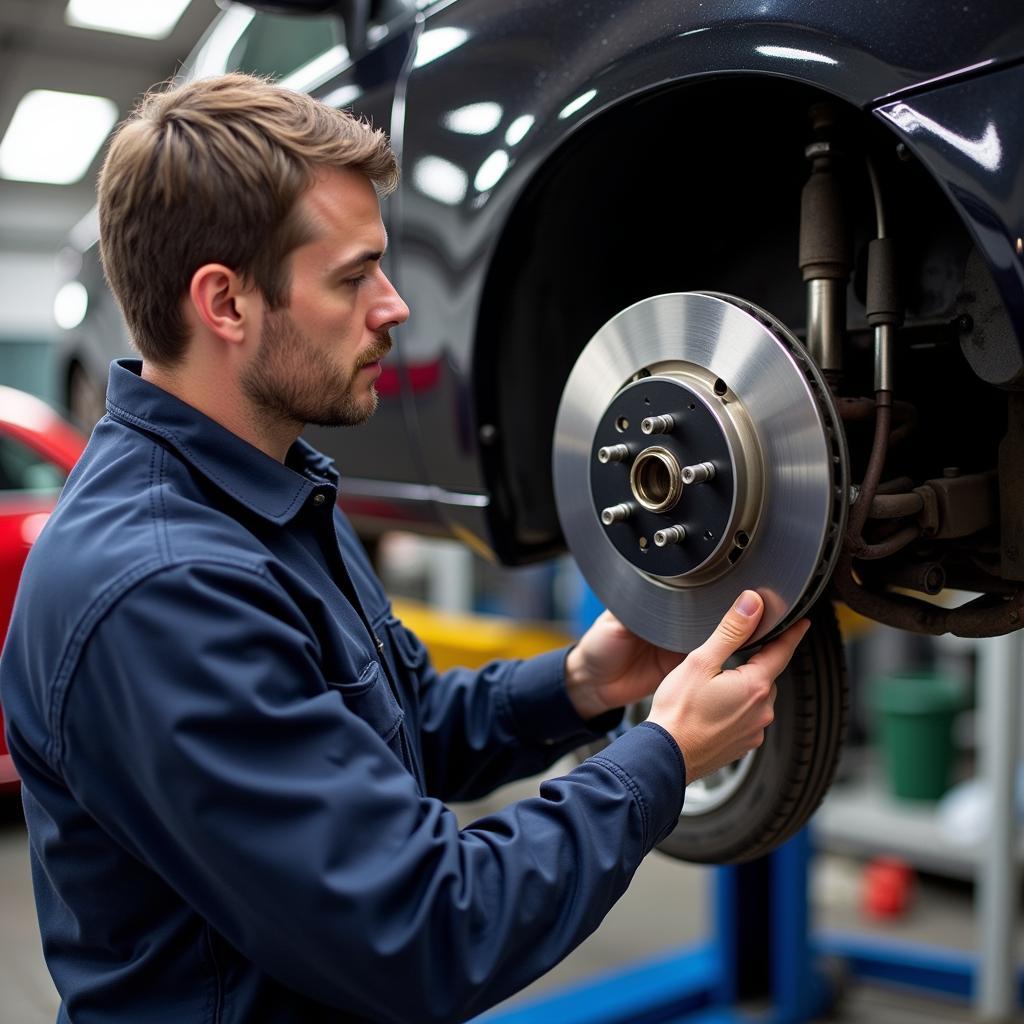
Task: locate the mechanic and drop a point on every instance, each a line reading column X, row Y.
column 234, row 757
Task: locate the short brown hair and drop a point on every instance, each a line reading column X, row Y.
column 211, row 172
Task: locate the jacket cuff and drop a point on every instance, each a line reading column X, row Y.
column 649, row 762
column 540, row 706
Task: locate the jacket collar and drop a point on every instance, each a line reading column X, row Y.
column 265, row 486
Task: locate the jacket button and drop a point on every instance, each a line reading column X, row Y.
column 319, row 499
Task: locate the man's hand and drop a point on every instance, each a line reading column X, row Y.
column 717, row 716
column 611, row 667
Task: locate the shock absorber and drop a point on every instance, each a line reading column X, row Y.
column 826, row 250
column 883, row 304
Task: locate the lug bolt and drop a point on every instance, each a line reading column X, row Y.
column 616, row 513
column 670, row 535
column 698, row 473
column 612, row 453
column 657, row 424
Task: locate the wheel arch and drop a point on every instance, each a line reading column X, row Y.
column 600, row 226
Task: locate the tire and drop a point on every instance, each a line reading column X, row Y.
column 784, row 781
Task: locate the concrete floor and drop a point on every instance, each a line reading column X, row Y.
column 665, row 908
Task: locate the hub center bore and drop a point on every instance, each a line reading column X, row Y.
column 656, row 479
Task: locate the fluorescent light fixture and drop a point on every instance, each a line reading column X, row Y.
column 54, row 136
column 474, row 119
column 70, row 305
column 440, row 179
column 789, row 53
column 491, row 171
column 577, row 104
column 436, row 42
column 517, row 130
column 150, row 19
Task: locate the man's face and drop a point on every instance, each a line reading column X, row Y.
column 319, row 357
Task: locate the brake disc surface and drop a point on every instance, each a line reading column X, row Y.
column 698, row 453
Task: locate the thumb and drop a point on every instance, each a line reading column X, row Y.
column 735, row 629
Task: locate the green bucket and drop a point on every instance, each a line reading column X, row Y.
column 914, row 715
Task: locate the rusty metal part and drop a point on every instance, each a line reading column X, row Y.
column 978, row 581
column 855, row 410
column 884, row 548
column 989, row 615
column 895, row 506
column 958, row 505
column 860, row 410
column 873, row 473
column 897, row 485
column 953, row 505
column 931, row 568
column 925, row 577
column 1011, row 490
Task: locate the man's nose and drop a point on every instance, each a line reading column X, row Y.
column 390, row 311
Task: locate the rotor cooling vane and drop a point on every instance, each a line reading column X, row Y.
column 698, row 453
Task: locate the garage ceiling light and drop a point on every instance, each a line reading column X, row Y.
column 150, row 19
column 54, row 136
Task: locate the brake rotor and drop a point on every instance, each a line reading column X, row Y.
column 698, row 453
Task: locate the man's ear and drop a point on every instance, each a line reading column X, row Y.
column 223, row 302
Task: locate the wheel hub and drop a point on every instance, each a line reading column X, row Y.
column 676, row 498
column 697, row 454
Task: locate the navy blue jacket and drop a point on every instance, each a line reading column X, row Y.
column 234, row 774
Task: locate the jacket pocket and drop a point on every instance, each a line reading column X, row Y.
column 409, row 649
column 370, row 698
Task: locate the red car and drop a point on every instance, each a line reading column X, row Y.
column 37, row 451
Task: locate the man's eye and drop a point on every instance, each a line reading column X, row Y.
column 355, row 281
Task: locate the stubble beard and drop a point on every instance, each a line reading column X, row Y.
column 290, row 379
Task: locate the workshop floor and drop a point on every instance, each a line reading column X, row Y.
column 665, row 908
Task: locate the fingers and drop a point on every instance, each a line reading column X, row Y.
column 730, row 634
column 774, row 657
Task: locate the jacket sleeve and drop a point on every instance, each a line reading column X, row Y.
column 198, row 729
column 482, row 728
